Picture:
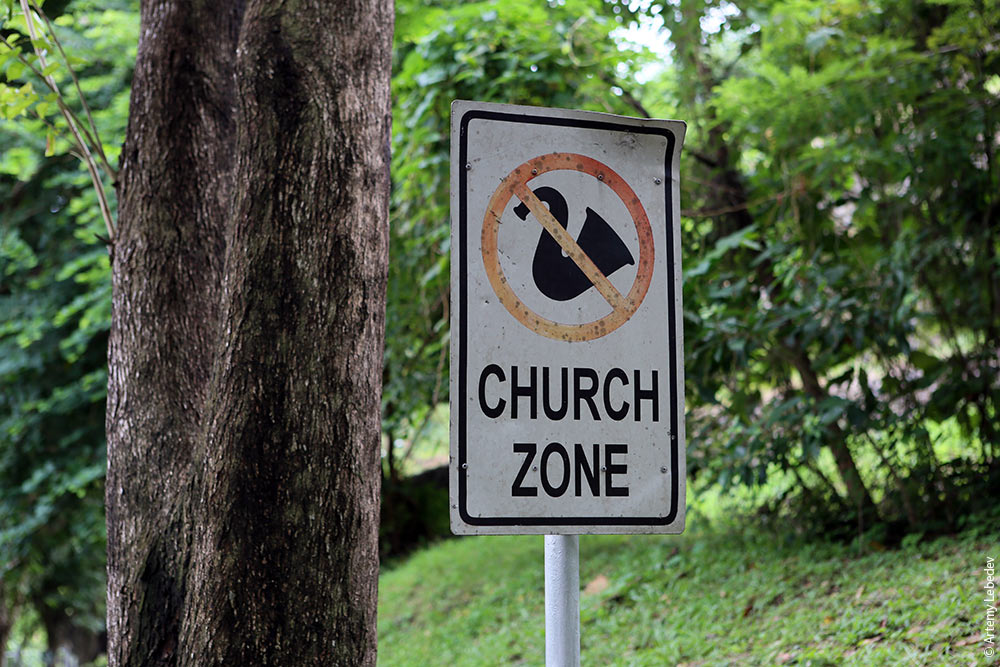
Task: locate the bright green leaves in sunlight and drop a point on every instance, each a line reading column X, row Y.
column 15, row 101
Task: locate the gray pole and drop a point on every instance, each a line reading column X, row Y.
column 562, row 601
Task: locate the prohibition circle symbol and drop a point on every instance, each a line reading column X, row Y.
column 516, row 185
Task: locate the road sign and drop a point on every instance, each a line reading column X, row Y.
column 567, row 403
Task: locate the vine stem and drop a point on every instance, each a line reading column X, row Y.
column 95, row 177
column 95, row 135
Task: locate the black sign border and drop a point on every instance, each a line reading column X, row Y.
column 678, row 391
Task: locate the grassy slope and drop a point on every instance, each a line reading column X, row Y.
column 708, row 597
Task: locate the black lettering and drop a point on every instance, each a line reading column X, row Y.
column 583, row 467
column 611, row 469
column 494, row 412
column 647, row 395
column 555, row 415
column 585, row 394
column 622, row 413
column 517, row 488
column 555, row 448
column 530, row 392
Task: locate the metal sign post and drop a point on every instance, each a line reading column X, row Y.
column 567, row 356
column 562, row 600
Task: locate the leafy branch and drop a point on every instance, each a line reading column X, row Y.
column 85, row 140
column 79, row 91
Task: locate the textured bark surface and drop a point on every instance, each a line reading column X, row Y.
column 246, row 345
column 174, row 194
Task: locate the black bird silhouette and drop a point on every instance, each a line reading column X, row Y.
column 559, row 277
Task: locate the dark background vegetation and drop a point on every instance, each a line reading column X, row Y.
column 840, row 187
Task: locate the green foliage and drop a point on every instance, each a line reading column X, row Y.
column 55, row 301
column 839, row 232
column 841, row 193
column 514, row 51
column 843, row 265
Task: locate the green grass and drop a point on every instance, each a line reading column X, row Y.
column 709, row 597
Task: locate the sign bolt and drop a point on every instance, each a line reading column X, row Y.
column 534, row 172
column 534, row 469
column 468, row 166
column 465, row 466
column 600, row 177
column 663, row 468
column 604, row 468
column 657, row 180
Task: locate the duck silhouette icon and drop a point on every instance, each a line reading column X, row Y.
column 558, row 277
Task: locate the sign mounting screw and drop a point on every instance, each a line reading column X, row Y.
column 657, row 180
column 465, row 466
column 663, row 469
column 468, row 166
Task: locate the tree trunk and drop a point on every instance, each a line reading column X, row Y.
column 837, row 439
column 68, row 644
column 174, row 193
column 246, row 346
column 6, row 625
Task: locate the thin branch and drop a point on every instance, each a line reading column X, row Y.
column 569, row 40
column 102, row 199
column 710, row 213
column 712, row 184
column 65, row 109
column 48, row 124
column 79, row 91
column 704, row 159
column 626, row 95
column 27, row 63
column 49, row 84
column 95, row 177
column 437, row 385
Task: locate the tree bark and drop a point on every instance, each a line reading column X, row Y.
column 246, row 345
column 174, row 193
column 6, row 625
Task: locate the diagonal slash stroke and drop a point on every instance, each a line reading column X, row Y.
column 571, row 247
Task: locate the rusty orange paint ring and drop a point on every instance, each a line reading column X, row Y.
column 623, row 306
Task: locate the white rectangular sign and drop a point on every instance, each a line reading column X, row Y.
column 567, row 386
